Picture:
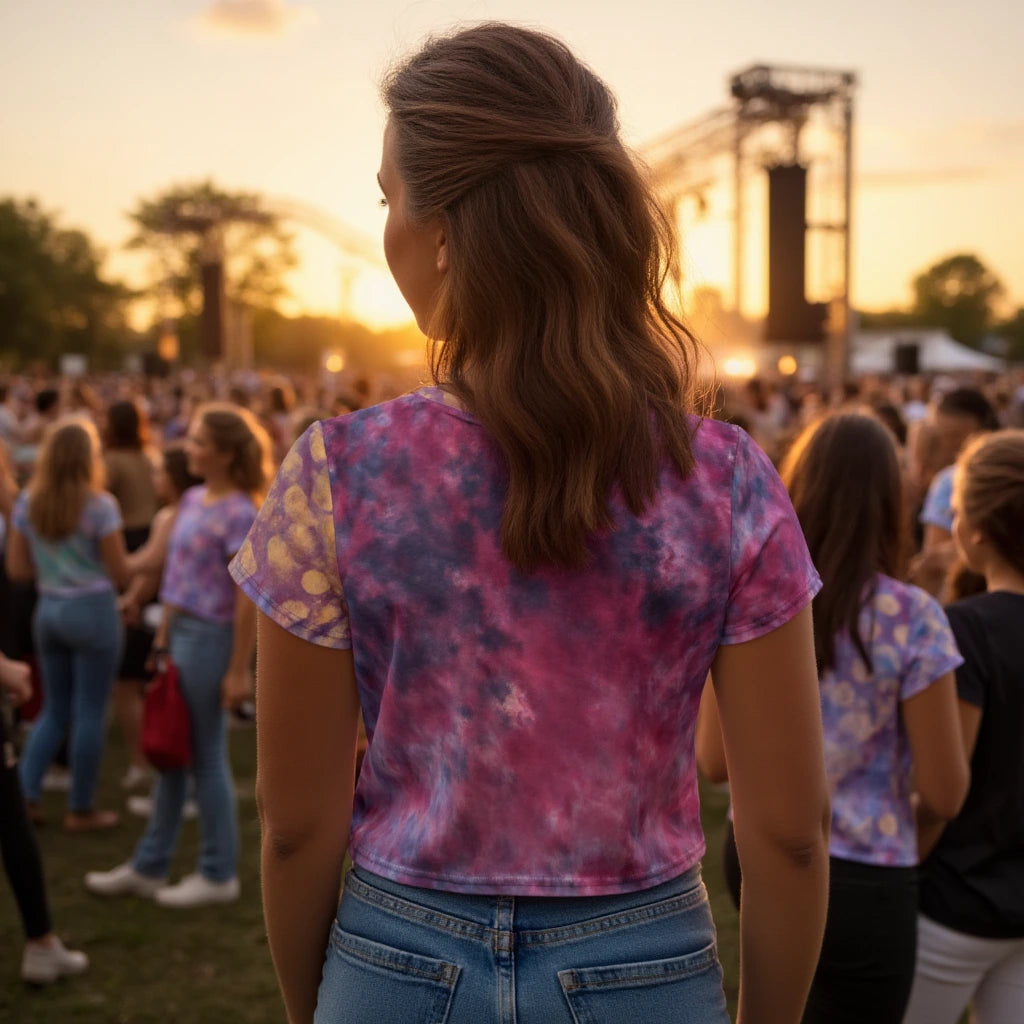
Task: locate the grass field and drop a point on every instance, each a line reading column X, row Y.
column 206, row 965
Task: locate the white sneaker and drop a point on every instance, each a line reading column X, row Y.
column 143, row 807
column 197, row 891
column 42, row 965
column 123, row 880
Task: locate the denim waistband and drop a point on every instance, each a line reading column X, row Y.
column 537, row 920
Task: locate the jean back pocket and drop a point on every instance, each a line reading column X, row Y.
column 677, row 990
column 368, row 981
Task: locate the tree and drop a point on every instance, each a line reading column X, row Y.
column 196, row 226
column 1012, row 332
column 959, row 294
column 53, row 298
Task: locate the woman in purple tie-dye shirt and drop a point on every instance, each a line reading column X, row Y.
column 522, row 576
column 888, row 702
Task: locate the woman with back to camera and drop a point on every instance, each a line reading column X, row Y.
column 971, row 925
column 886, row 657
column 523, row 575
column 66, row 533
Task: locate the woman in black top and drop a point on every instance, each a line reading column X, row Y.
column 971, row 927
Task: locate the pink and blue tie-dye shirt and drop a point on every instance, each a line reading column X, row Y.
column 205, row 537
column 529, row 733
column 867, row 755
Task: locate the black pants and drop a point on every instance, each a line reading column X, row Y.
column 18, row 844
column 866, row 965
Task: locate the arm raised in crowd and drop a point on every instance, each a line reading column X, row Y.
column 306, row 726
column 768, row 703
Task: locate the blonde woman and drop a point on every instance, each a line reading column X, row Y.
column 66, row 534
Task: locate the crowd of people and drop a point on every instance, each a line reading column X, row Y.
column 114, row 510
column 551, row 593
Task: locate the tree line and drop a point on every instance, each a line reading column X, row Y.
column 55, row 297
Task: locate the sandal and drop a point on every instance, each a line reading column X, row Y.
column 91, row 821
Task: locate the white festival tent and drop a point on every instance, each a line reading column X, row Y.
column 937, row 352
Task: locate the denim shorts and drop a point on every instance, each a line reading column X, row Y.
column 404, row 955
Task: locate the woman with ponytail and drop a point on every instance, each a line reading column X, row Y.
column 522, row 575
column 208, row 629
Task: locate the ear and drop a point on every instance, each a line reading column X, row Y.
column 441, row 248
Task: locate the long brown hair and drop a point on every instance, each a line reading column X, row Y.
column 843, row 476
column 235, row 430
column 68, row 470
column 989, row 488
column 549, row 324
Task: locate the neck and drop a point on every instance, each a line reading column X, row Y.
column 218, row 487
column 1004, row 577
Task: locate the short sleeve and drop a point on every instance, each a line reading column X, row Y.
column 931, row 646
column 104, row 516
column 938, row 503
column 971, row 675
column 771, row 573
column 19, row 514
column 288, row 564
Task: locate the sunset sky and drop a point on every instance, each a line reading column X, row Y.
column 105, row 101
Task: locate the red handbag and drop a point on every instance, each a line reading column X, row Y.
column 166, row 739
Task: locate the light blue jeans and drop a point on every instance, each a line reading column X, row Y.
column 78, row 644
column 399, row 954
column 202, row 651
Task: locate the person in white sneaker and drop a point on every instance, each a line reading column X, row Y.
column 124, row 880
column 45, row 958
column 209, row 628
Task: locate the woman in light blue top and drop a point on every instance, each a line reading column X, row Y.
column 66, row 534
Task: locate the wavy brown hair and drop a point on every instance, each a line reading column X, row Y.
column 236, row 431
column 989, row 488
column 843, row 476
column 68, row 471
column 549, row 323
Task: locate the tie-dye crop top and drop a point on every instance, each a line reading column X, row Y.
column 529, row 733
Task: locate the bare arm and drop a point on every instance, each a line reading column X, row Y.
column 306, row 721
column 20, row 567
column 237, row 684
column 151, row 556
column 710, row 750
column 769, row 707
column 115, row 557
column 16, row 679
column 942, row 732
column 8, row 488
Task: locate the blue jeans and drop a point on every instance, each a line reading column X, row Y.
column 399, row 954
column 78, row 644
column 202, row 651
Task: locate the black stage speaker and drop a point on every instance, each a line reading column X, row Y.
column 790, row 316
column 906, row 359
column 211, row 328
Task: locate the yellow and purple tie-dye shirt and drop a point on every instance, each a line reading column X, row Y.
column 867, row 754
column 205, row 537
column 529, row 733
